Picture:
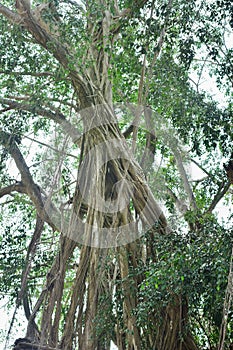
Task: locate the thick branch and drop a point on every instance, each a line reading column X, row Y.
column 17, row 187
column 50, row 41
column 58, row 117
column 32, row 189
column 12, row 16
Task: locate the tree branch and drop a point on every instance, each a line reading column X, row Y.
column 40, row 31
column 151, row 140
column 26, row 345
column 184, row 177
column 50, row 147
column 219, row 195
column 32, row 189
column 222, row 190
column 158, row 47
column 127, row 12
column 12, row 16
column 17, row 187
column 229, row 169
column 58, row 117
column 181, row 206
column 33, row 74
column 32, row 329
column 52, row 100
column 203, row 169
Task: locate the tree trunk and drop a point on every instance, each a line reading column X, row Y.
column 108, row 176
column 173, row 332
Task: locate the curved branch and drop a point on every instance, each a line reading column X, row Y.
column 58, row 117
column 41, row 32
column 31, row 188
column 17, row 187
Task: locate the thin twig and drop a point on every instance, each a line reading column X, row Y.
column 33, row 74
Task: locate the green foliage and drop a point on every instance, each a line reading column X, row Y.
column 195, row 264
column 193, row 260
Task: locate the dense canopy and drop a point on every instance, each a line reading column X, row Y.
column 116, row 174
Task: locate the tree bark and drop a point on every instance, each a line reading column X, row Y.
column 106, row 160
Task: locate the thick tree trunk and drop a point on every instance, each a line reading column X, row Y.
column 106, row 161
column 173, row 332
